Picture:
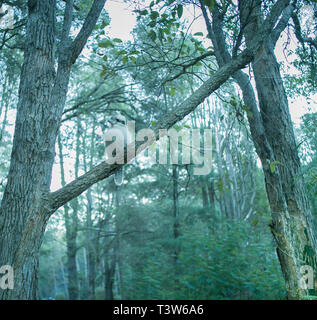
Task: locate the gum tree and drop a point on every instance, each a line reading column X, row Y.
column 272, row 133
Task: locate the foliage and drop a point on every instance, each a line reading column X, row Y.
column 225, row 261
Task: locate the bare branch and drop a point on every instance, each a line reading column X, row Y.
column 189, row 64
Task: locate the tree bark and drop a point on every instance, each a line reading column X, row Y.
column 24, row 209
column 273, row 137
column 22, row 218
column 291, row 216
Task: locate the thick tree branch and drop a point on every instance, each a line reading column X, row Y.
column 104, row 170
column 282, row 24
column 78, row 44
column 68, row 18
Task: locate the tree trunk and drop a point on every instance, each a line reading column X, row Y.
column 273, row 137
column 204, row 193
column 25, row 207
column 109, row 277
column 72, row 274
column 71, row 224
column 91, row 250
column 22, row 218
column 91, row 237
column 176, row 231
column 64, row 279
column 212, row 196
column 291, row 217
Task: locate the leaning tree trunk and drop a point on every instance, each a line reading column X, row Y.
column 273, row 137
column 291, row 216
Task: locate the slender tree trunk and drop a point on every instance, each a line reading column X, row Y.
column 71, row 225
column 231, row 181
column 91, row 254
column 92, row 243
column 64, row 279
column 176, row 231
column 225, row 200
column 109, row 277
column 212, row 196
column 72, row 274
column 204, row 193
column 176, row 225
column 117, row 246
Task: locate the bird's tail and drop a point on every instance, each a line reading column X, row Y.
column 118, row 177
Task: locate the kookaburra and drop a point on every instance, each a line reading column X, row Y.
column 116, row 128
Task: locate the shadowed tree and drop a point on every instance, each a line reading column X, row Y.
column 274, row 140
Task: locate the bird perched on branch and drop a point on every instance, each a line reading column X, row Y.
column 116, row 128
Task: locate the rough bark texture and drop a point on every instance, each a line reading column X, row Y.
column 273, row 137
column 22, row 219
column 291, row 217
column 24, row 210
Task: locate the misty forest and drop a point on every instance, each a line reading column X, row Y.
column 244, row 71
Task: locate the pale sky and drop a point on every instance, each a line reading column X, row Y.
column 122, row 19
